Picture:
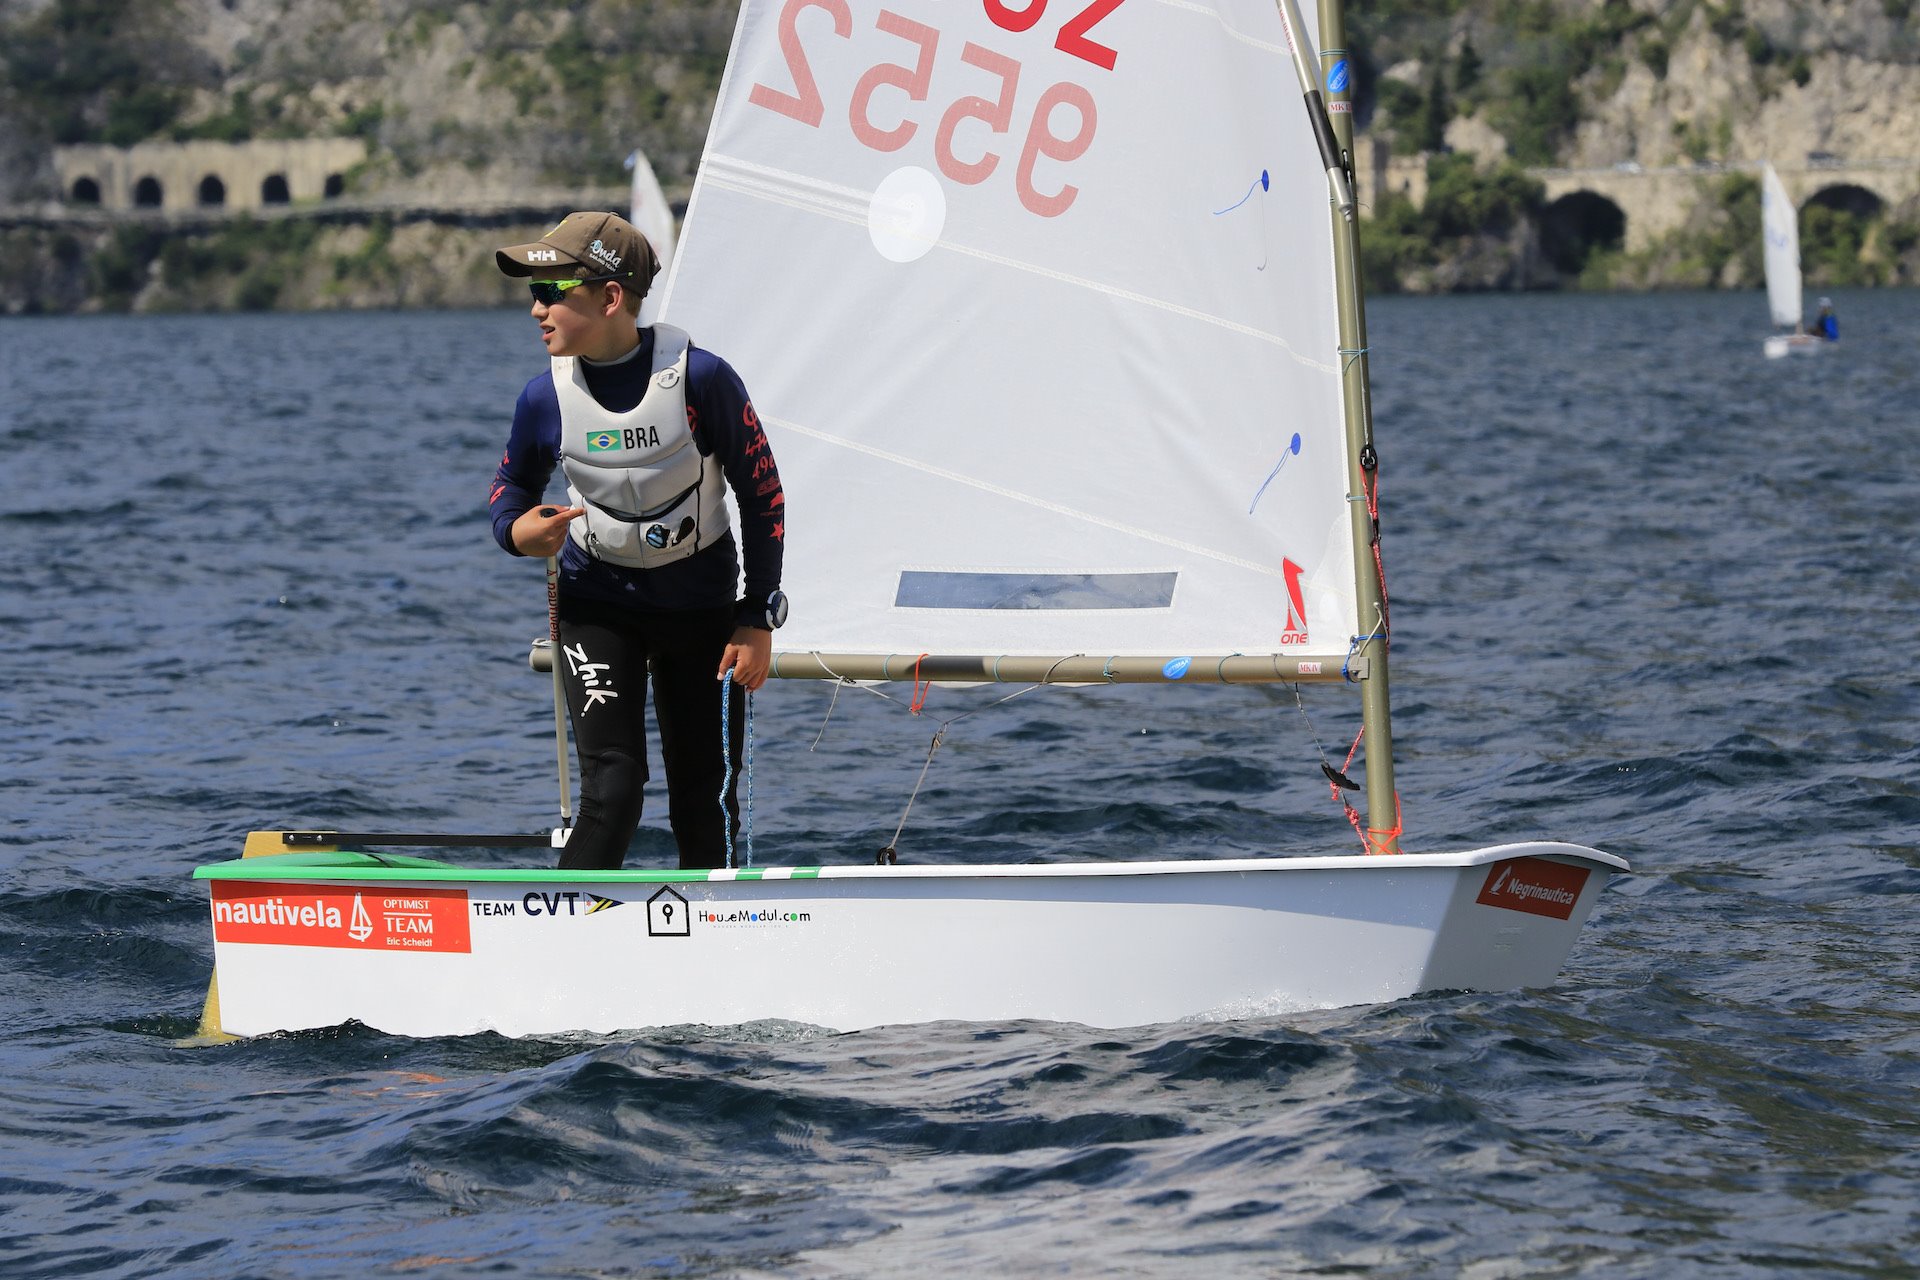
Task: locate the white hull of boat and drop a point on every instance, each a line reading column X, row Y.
column 1781, row 345
column 448, row 951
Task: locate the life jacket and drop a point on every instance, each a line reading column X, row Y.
column 650, row 498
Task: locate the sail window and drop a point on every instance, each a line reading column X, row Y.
column 935, row 589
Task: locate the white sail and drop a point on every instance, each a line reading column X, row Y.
column 1780, row 223
column 1037, row 307
column 654, row 218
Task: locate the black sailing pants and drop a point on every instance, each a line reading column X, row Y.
column 606, row 656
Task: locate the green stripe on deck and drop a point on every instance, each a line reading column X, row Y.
column 347, row 865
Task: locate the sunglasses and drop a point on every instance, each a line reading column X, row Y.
column 549, row 292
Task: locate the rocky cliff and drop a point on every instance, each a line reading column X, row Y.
column 1632, row 86
column 454, row 99
column 1590, row 85
column 464, row 101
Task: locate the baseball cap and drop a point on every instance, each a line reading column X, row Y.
column 598, row 244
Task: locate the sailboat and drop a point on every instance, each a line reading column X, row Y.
column 650, row 213
column 1053, row 317
column 1780, row 231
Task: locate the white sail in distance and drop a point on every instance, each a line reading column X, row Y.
column 1780, row 226
column 652, row 216
column 1037, row 308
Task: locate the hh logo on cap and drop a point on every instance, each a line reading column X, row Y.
column 605, row 254
column 542, row 255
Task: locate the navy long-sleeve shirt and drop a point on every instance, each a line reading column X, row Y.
column 724, row 426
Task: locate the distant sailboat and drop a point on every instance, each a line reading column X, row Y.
column 654, row 217
column 1780, row 232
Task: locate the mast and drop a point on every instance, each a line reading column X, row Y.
column 1332, row 123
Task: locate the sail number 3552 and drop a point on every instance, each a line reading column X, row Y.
column 961, row 161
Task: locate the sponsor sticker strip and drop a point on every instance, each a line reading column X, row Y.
column 297, row 915
column 1535, row 886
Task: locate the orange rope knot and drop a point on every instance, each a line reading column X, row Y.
column 1380, row 840
column 919, row 693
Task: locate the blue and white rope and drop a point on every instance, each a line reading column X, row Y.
column 726, row 768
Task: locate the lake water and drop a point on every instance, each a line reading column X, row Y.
column 1651, row 593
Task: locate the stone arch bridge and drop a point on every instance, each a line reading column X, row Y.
column 1654, row 202
column 1626, row 206
column 184, row 177
column 1633, row 207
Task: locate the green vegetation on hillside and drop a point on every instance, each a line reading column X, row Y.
column 245, row 265
column 613, row 74
column 112, row 71
column 1530, row 68
column 255, row 265
column 1464, row 203
column 1521, row 62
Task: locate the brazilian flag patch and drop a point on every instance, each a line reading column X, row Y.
column 603, row 441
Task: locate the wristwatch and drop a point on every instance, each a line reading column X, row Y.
column 767, row 615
